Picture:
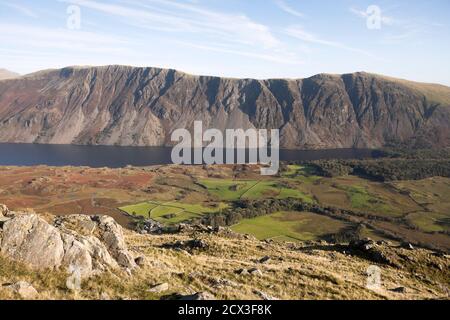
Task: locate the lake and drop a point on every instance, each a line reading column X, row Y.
column 117, row 157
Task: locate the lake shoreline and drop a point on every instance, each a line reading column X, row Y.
column 20, row 154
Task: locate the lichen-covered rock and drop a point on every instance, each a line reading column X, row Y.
column 30, row 239
column 112, row 236
column 198, row 296
column 3, row 210
column 24, row 290
column 82, row 243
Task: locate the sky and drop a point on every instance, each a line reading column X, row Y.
column 232, row 38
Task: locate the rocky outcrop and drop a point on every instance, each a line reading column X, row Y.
column 118, row 105
column 76, row 243
column 23, row 289
column 3, row 210
column 30, row 239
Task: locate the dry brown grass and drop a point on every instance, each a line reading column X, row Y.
column 294, row 272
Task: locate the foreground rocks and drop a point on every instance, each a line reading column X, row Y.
column 199, row 296
column 218, row 265
column 76, row 243
column 23, row 289
column 378, row 252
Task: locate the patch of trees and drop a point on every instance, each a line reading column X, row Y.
column 402, row 169
column 351, row 233
column 359, row 221
column 423, row 154
column 248, row 209
column 331, row 168
column 385, row 169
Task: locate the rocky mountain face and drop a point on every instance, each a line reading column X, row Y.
column 118, row 105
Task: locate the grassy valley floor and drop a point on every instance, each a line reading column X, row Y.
column 412, row 211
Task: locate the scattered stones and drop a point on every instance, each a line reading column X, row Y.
column 264, row 259
column 188, row 245
column 400, row 290
column 195, row 227
column 369, row 249
column 195, row 275
column 104, row 296
column 363, row 245
column 197, row 296
column 438, row 266
column 242, row 272
column 221, row 283
column 407, row 246
column 141, row 261
column 24, row 290
column 159, row 288
column 150, row 226
column 252, row 271
column 264, row 295
column 441, row 255
column 255, row 272
column 197, row 244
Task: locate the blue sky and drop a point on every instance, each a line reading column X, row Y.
column 233, row 38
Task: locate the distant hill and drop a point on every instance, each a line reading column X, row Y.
column 6, row 74
column 121, row 105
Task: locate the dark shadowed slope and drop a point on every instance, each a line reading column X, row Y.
column 142, row 106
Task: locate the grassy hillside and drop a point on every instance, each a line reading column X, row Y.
column 301, row 271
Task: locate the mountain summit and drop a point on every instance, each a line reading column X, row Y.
column 120, row 105
column 6, row 74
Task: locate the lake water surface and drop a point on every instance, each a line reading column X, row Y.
column 117, row 157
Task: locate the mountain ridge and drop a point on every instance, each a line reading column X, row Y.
column 123, row 105
column 6, row 74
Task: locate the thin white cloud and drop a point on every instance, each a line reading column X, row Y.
column 401, row 30
column 277, row 58
column 288, row 9
column 20, row 8
column 187, row 18
column 62, row 39
column 299, row 33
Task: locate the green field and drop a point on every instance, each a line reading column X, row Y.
column 422, row 205
column 430, row 221
column 169, row 212
column 362, row 199
column 227, row 189
column 231, row 190
column 261, row 189
column 287, row 192
column 140, row 209
column 291, row 171
column 303, row 174
column 292, row 226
